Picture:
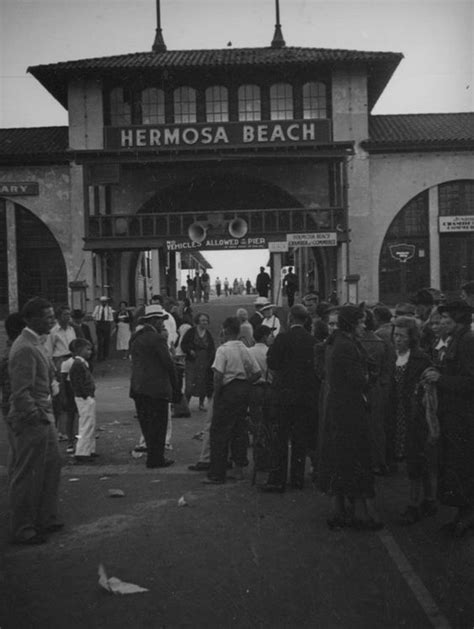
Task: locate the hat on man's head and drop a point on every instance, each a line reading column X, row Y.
column 267, row 306
column 77, row 313
column 261, row 301
column 155, row 311
column 423, row 297
column 313, row 296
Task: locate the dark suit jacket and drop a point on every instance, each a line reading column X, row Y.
column 291, row 357
column 256, row 319
column 153, row 371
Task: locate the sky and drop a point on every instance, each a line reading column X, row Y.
column 436, row 38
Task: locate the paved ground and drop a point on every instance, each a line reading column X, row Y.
column 232, row 557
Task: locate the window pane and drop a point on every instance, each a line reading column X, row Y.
column 281, row 102
column 184, row 105
column 250, row 107
column 456, row 198
column 153, row 106
column 217, row 107
column 120, row 109
column 314, row 100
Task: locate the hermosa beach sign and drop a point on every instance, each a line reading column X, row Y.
column 232, row 134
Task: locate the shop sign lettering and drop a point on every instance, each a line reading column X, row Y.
column 456, row 223
column 316, row 239
column 217, row 243
column 232, row 134
column 26, row 188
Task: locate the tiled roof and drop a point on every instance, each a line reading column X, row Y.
column 54, row 76
column 220, row 57
column 407, row 130
column 31, row 141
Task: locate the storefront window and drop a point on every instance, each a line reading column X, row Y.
column 250, row 107
column 153, row 106
column 120, row 108
column 456, row 198
column 281, row 101
column 184, row 105
column 314, row 100
column 217, row 105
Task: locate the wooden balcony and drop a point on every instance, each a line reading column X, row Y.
column 143, row 231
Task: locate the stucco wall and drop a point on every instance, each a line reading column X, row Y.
column 394, row 179
column 52, row 206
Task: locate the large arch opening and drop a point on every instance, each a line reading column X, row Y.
column 213, row 194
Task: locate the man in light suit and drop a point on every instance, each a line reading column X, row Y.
column 36, row 469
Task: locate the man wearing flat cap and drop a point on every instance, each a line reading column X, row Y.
column 154, row 383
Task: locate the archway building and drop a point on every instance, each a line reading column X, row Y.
column 280, row 139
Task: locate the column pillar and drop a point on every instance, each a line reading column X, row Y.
column 12, row 259
column 155, row 272
column 435, row 261
column 342, row 271
column 276, row 278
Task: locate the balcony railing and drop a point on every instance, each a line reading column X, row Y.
column 268, row 222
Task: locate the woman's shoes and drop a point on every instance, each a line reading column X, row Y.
column 429, row 508
column 337, row 522
column 411, row 515
column 368, row 524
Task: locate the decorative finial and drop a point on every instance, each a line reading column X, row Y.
column 159, row 43
column 278, row 41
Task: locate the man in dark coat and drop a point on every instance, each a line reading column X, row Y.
column 290, row 357
column 154, row 383
column 290, row 284
column 263, row 282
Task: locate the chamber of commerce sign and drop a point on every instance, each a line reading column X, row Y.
column 231, row 134
column 456, row 223
column 217, row 243
column 317, row 239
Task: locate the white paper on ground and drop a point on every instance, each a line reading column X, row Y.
column 116, row 586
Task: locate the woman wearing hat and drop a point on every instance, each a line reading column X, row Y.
column 345, row 470
column 455, row 386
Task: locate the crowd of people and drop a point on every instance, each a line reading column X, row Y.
column 357, row 391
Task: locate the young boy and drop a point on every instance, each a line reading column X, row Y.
column 83, row 387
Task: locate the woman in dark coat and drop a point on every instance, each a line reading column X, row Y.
column 455, row 385
column 345, row 469
column 415, row 437
column 199, row 350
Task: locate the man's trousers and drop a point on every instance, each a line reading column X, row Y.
column 34, row 479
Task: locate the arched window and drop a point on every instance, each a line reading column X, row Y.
column 281, row 101
column 217, row 104
column 153, row 106
column 250, row 107
column 184, row 105
column 398, row 279
column 314, row 100
column 120, row 108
